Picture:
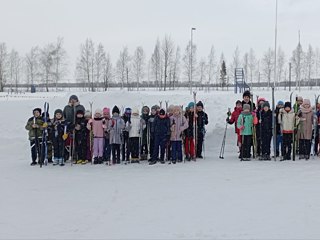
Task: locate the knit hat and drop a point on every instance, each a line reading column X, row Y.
column 98, row 111
column 162, row 112
column 246, row 93
column 280, row 102
column 127, row 111
column 200, row 104
column 115, row 110
column 155, row 107
column 266, row 104
column 87, row 114
column 287, row 104
column 261, row 99
column 191, row 105
column 246, row 107
column 58, row 111
column 145, row 108
column 80, row 112
column 73, row 97
column 306, row 101
column 37, row 109
column 135, row 111
column 106, row 110
column 299, row 98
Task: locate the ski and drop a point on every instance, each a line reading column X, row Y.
column 224, row 137
column 295, row 130
column 274, row 126
column 195, row 124
column 91, row 135
column 44, row 147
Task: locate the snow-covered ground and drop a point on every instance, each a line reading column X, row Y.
column 209, row 199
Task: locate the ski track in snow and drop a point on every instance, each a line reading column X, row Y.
column 209, row 199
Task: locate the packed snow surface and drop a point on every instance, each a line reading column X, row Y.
column 209, row 199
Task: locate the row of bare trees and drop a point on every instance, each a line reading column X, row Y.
column 166, row 67
column 45, row 65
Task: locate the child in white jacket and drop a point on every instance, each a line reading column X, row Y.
column 135, row 127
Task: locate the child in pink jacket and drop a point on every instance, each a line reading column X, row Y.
column 98, row 127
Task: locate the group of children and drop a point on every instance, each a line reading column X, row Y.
column 105, row 136
column 296, row 125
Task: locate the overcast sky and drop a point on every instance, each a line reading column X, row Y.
column 225, row 24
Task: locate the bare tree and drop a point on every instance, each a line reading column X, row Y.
column 190, row 64
column 123, row 67
column 99, row 63
column 156, row 64
column 59, row 56
column 245, row 63
column 251, row 65
column 211, row 66
column 85, row 65
column 309, row 63
column 138, row 64
column 297, row 59
column 3, row 65
column 176, row 68
column 32, row 65
column 47, row 64
column 236, row 62
column 107, row 72
column 317, row 65
column 15, row 68
column 281, row 60
column 167, row 52
column 202, row 72
column 268, row 65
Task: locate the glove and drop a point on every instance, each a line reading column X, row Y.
column 229, row 113
column 45, row 125
column 65, row 136
column 227, row 119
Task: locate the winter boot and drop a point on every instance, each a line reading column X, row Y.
column 152, row 162
column 95, row 160
column 33, row 163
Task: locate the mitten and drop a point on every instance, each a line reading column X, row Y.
column 65, row 136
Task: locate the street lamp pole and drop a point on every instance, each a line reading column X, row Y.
column 191, row 60
column 275, row 46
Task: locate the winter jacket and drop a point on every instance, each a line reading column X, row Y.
column 59, row 127
column 97, row 127
column 69, row 113
column 145, row 118
column 287, row 120
column 189, row 131
column 178, row 125
column 81, row 133
column 34, row 132
column 266, row 122
column 135, row 127
column 246, row 120
column 126, row 119
column 105, row 122
column 202, row 120
column 278, row 126
column 151, row 125
column 306, row 123
column 115, row 128
column 162, row 126
column 252, row 105
column 234, row 118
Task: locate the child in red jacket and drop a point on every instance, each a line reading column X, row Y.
column 233, row 120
